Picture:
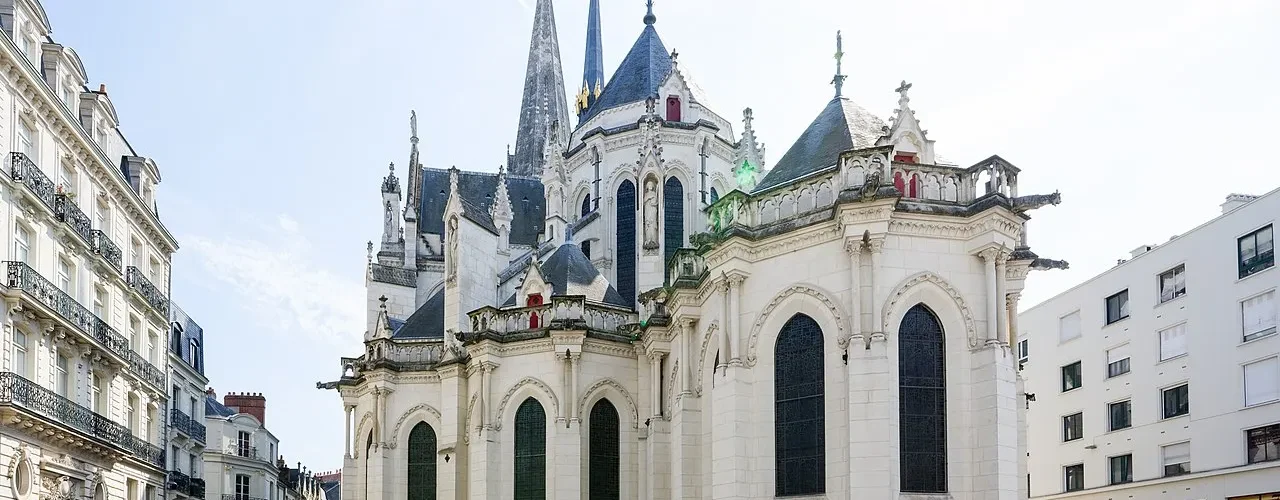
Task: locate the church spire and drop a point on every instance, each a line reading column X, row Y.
column 413, row 182
column 593, row 68
column 544, row 97
column 839, row 78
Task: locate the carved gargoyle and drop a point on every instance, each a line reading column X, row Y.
column 1046, row 264
column 1026, row 203
column 871, row 185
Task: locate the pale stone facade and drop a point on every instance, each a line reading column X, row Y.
column 1188, row 365
column 83, row 383
column 187, row 434
column 631, row 349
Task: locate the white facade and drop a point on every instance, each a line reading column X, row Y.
column 82, row 374
column 1195, row 314
column 240, row 455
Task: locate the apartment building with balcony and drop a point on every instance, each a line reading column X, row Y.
column 240, row 457
column 186, row 432
column 1160, row 378
column 83, row 388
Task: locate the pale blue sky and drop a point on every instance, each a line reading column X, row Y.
column 273, row 122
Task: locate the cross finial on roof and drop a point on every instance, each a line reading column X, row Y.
column 903, row 88
column 838, row 80
column 392, row 167
column 383, row 300
column 649, row 18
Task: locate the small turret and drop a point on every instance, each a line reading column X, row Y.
column 748, row 158
column 392, row 244
column 501, row 212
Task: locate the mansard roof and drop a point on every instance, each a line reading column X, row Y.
column 528, row 202
column 213, row 408
column 841, row 126
column 425, row 323
column 638, row 77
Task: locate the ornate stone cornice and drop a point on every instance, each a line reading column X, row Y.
column 757, row 251
column 928, row 277
column 799, row 289
column 611, row 383
column 527, row 381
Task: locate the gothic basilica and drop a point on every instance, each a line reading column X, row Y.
column 640, row 305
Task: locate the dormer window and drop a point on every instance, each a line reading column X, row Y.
column 673, row 108
column 905, row 157
column 533, row 300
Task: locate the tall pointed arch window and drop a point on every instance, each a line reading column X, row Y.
column 422, row 462
column 799, row 431
column 586, row 205
column 368, row 448
column 922, row 402
column 531, row 451
column 604, row 453
column 626, row 258
column 715, row 196
column 672, row 219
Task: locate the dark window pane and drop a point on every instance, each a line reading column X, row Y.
column 586, row 205
column 1071, row 375
column 1074, row 477
column 531, row 451
column 799, row 416
column 1120, row 367
column 1257, row 251
column 1263, row 443
column 922, row 402
column 672, row 220
column 1119, row 415
column 714, row 195
column 626, row 257
column 1073, row 427
column 603, row 464
column 1176, row 401
column 1118, row 307
column 1121, row 469
column 422, row 462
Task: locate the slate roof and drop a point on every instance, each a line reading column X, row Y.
column 638, row 77
column 332, row 490
column 570, row 272
column 528, row 202
column 544, row 100
column 841, row 126
column 425, row 323
column 213, row 407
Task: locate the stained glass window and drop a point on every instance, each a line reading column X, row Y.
column 799, row 416
column 586, row 205
column 422, row 462
column 672, row 219
column 922, row 403
column 531, row 451
column 604, row 452
column 627, row 241
column 714, row 195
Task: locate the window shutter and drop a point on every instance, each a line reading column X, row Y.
column 1177, row 453
column 1173, row 342
column 1261, row 380
column 1069, row 327
column 1117, row 354
column 1259, row 313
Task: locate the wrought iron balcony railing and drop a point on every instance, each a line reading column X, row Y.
column 238, row 496
column 244, row 451
column 31, row 397
column 196, row 489
column 23, row 277
column 148, row 291
column 179, row 481
column 23, row 170
column 69, row 213
column 179, row 421
column 103, row 246
column 196, row 431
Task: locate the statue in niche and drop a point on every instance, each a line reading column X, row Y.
column 451, row 258
column 650, row 214
column 391, row 217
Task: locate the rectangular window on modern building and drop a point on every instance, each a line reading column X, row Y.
column 1071, row 376
column 1073, row 477
column 1023, row 351
column 1121, row 469
column 1259, row 315
column 1257, row 251
column 1176, row 458
column 1173, row 342
column 1262, row 381
column 1119, row 415
column 1176, row 401
column 1263, row 443
column 1118, row 306
column 1118, row 360
column 1073, row 427
column 1069, row 327
column 1173, row 283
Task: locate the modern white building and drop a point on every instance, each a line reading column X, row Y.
column 83, row 388
column 1160, row 377
column 240, row 456
column 186, row 430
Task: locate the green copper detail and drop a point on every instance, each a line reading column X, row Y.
column 746, row 175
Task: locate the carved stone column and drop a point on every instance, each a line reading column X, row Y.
column 655, row 374
column 735, row 313
column 562, row 362
column 575, row 369
column 877, row 248
column 854, row 247
column 688, row 361
column 1002, row 318
column 723, row 287
column 1011, row 309
column 347, row 423
column 989, row 257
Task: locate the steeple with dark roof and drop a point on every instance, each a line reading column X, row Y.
column 637, row 78
column 544, row 97
column 593, row 67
